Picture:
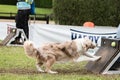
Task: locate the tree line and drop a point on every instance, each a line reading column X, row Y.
column 76, row 12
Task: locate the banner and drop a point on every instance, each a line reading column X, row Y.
column 42, row 33
column 95, row 37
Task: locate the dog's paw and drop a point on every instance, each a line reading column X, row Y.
column 40, row 70
column 96, row 58
column 52, row 72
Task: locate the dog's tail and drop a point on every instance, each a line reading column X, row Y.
column 30, row 50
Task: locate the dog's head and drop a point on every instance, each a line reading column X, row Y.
column 86, row 43
column 89, row 43
column 29, row 48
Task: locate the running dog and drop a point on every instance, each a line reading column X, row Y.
column 49, row 53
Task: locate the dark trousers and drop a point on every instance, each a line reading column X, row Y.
column 22, row 18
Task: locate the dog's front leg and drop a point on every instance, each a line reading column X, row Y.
column 82, row 58
column 92, row 57
column 38, row 64
column 87, row 57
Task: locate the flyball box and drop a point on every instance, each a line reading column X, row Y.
column 109, row 55
column 9, row 36
column 16, row 37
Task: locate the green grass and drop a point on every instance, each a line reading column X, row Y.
column 15, row 65
column 13, row 9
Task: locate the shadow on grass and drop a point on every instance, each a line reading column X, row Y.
column 30, row 72
column 19, row 71
column 80, row 71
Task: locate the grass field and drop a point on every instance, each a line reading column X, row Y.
column 13, row 9
column 14, row 65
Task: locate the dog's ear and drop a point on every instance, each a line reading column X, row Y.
column 86, row 37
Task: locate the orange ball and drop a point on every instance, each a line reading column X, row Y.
column 89, row 24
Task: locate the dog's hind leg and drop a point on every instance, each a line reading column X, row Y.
column 38, row 66
column 49, row 63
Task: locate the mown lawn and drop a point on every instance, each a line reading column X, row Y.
column 15, row 65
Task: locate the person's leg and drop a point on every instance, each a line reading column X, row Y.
column 19, row 19
column 26, row 27
column 19, row 25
